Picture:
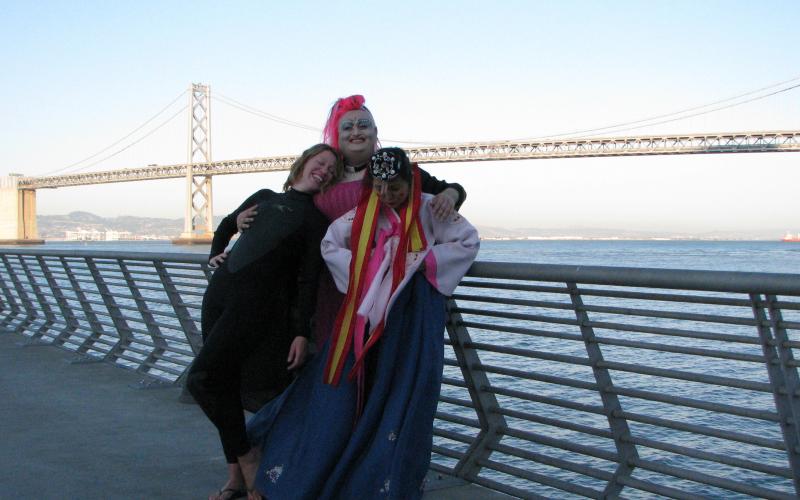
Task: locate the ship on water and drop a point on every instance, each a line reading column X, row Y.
column 791, row 237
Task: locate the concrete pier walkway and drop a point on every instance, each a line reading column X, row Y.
column 72, row 429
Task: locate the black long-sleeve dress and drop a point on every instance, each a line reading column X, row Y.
column 257, row 302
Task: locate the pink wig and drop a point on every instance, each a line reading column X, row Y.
column 330, row 134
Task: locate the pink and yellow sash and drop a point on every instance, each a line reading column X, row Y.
column 412, row 239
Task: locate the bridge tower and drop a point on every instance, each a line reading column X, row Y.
column 199, row 219
column 17, row 213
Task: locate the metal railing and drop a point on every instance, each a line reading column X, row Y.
column 138, row 310
column 560, row 381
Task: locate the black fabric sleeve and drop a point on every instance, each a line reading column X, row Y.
column 304, row 302
column 227, row 227
column 432, row 185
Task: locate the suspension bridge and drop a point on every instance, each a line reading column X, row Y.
column 18, row 199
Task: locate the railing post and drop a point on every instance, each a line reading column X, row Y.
column 185, row 319
column 49, row 316
column 10, row 301
column 782, row 376
column 193, row 336
column 30, row 310
column 91, row 317
column 70, row 321
column 611, row 406
column 493, row 424
column 123, row 330
column 149, row 320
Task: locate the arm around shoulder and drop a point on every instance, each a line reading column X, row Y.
column 227, row 227
column 432, row 185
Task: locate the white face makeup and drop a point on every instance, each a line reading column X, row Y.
column 357, row 136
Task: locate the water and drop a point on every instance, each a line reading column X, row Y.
column 747, row 256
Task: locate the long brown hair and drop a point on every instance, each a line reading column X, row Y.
column 296, row 170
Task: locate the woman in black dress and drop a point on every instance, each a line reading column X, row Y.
column 261, row 299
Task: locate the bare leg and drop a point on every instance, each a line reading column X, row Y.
column 234, row 485
column 248, row 465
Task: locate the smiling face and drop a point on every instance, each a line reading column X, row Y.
column 358, row 136
column 392, row 193
column 317, row 172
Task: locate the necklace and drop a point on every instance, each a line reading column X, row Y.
column 359, row 168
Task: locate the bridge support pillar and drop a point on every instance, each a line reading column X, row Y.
column 17, row 213
column 199, row 220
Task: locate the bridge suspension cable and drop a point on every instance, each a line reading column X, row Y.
column 623, row 127
column 137, row 141
column 661, row 119
column 262, row 114
column 140, row 127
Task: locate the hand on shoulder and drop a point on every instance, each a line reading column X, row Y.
column 245, row 218
column 443, row 204
column 217, row 260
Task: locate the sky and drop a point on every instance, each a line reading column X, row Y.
column 80, row 76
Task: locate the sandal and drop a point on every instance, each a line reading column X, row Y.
column 231, row 494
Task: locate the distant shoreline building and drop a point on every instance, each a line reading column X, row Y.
column 107, row 235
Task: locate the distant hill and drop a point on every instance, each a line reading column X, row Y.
column 53, row 227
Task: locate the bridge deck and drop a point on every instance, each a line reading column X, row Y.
column 88, row 430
